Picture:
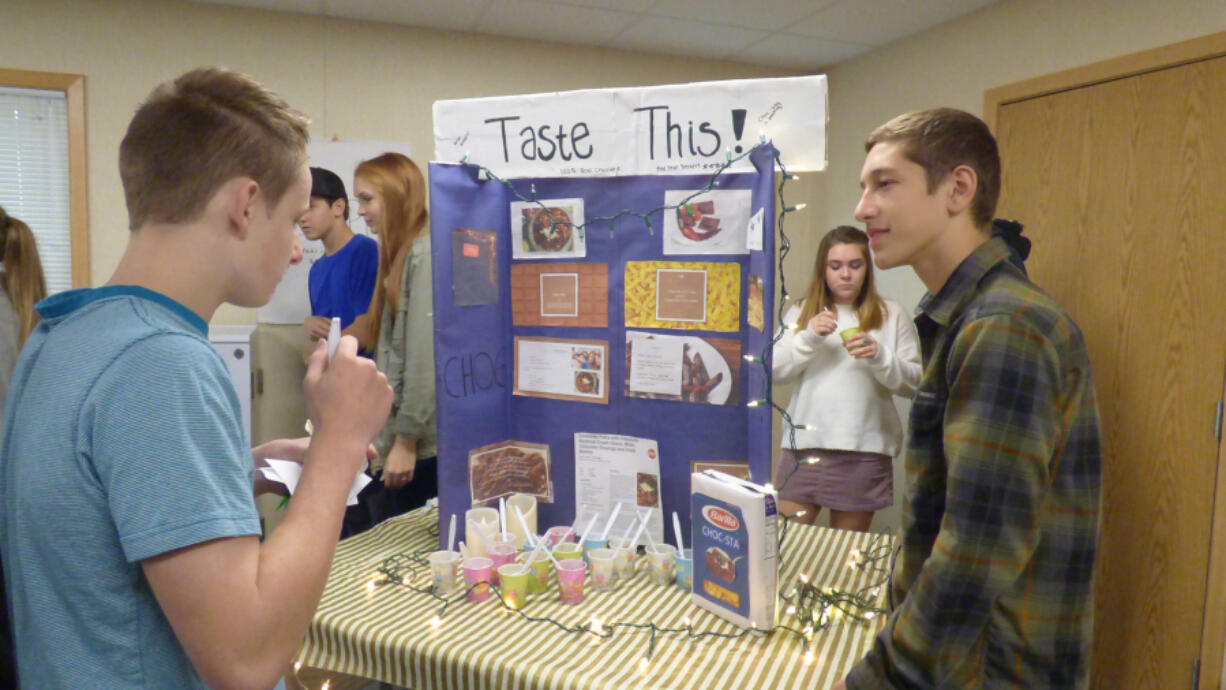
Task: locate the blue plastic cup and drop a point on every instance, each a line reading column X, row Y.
column 590, row 544
column 685, row 569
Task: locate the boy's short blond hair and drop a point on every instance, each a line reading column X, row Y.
column 196, row 132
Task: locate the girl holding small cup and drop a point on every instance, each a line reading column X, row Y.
column 846, row 427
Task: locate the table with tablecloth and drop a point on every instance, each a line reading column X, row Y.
column 393, row 634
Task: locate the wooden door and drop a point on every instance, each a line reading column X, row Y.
column 1121, row 184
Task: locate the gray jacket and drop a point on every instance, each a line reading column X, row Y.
column 405, row 354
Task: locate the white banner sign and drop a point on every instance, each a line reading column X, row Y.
column 682, row 129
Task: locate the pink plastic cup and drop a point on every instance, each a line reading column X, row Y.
column 570, row 580
column 478, row 571
column 554, row 535
column 500, row 555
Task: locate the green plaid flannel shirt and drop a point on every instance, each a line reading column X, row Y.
column 993, row 586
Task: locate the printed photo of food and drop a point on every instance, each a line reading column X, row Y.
column 509, row 467
column 720, row 565
column 547, row 229
column 710, row 371
column 754, row 313
column 708, row 221
column 587, row 383
column 697, row 222
column 648, row 490
column 723, row 295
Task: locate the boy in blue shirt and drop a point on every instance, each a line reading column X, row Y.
column 341, row 282
column 130, row 537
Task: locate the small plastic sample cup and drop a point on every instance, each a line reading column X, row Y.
column 662, row 563
column 685, row 569
column 568, row 550
column 849, row 333
column 500, row 555
column 478, row 571
column 593, row 543
column 445, row 571
column 604, row 575
column 514, row 578
column 571, row 573
column 539, row 572
column 553, row 535
column 624, row 561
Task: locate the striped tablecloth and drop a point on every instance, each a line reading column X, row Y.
column 388, row 632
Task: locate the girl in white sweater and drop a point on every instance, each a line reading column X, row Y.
column 851, row 351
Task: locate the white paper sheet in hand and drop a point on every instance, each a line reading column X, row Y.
column 287, row 473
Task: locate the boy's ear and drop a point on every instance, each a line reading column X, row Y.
column 241, row 196
column 962, row 191
column 338, row 208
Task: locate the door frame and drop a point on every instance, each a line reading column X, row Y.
column 1213, row 625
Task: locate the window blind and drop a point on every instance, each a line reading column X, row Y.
column 34, row 174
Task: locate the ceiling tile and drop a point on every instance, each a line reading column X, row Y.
column 683, row 37
column 456, row 15
column 553, row 22
column 622, row 5
column 758, row 14
column 295, row 6
column 882, row 21
column 799, row 52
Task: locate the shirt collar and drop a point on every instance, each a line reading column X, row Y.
column 69, row 301
column 958, row 289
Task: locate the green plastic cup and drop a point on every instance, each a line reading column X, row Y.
column 514, row 578
column 849, row 333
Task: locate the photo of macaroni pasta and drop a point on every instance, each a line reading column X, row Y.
column 723, row 295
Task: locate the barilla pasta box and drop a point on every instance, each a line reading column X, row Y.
column 736, row 553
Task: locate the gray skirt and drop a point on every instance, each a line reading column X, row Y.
column 846, row 480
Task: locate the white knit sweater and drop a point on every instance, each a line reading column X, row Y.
column 847, row 403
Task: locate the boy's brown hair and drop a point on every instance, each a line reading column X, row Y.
column 199, row 130
column 940, row 140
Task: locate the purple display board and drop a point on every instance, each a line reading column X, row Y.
column 474, row 344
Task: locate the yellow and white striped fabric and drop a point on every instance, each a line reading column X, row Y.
column 388, row 632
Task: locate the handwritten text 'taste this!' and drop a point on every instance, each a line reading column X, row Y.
column 569, row 141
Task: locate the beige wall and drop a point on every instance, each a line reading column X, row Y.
column 954, row 64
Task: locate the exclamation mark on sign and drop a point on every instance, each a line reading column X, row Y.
column 738, row 125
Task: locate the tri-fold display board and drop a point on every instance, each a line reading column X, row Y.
column 591, row 331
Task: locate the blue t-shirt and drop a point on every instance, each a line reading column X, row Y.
column 343, row 283
column 124, row 441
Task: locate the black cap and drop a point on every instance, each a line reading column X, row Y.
column 326, row 184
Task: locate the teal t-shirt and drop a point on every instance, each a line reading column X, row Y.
column 123, row 441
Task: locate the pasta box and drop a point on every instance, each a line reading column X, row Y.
column 736, row 552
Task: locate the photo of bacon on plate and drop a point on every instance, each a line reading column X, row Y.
column 508, row 470
column 695, row 221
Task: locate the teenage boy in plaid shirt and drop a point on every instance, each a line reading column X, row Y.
column 993, row 586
